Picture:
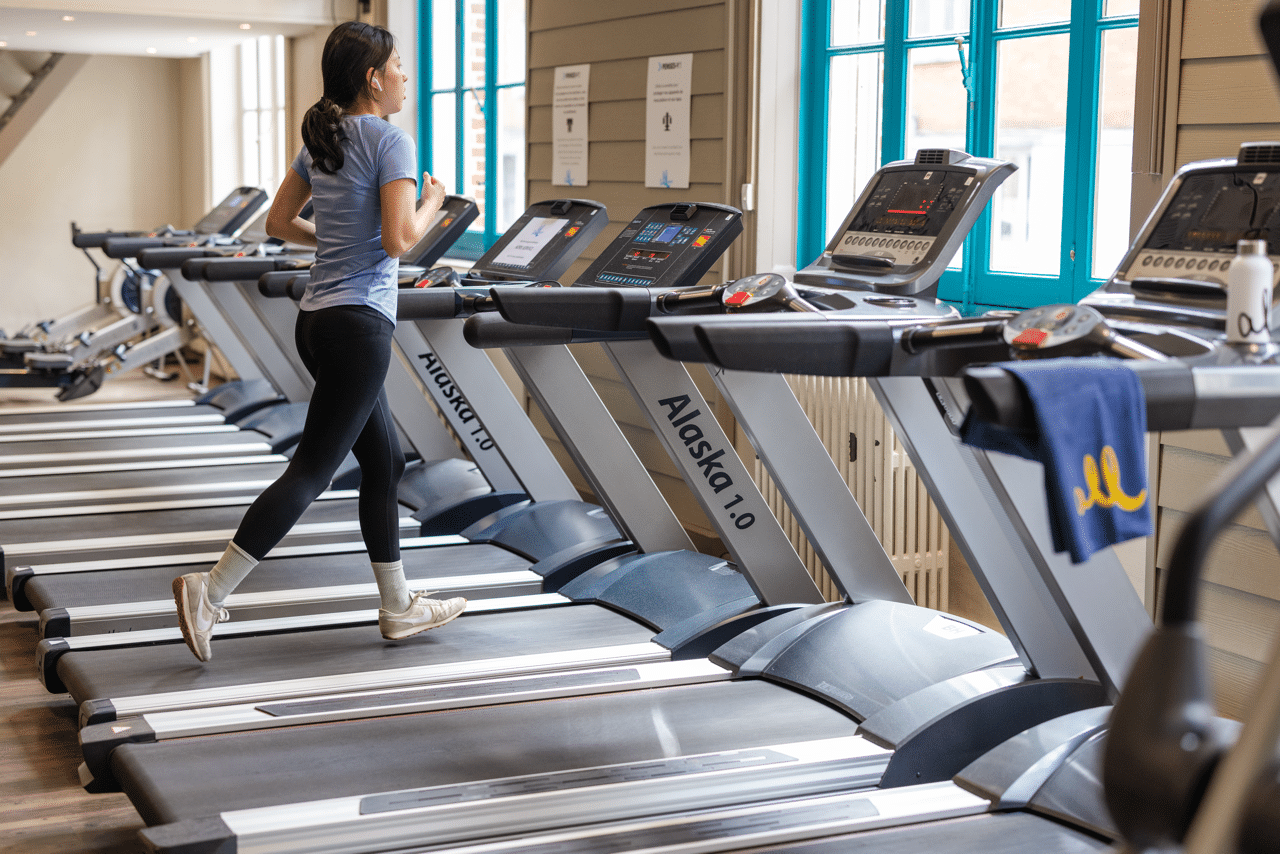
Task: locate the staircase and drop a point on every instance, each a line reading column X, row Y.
column 29, row 83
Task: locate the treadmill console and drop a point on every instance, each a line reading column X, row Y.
column 1176, row 269
column 542, row 243
column 449, row 224
column 665, row 246
column 233, row 213
column 908, row 224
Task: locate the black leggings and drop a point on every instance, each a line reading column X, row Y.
column 347, row 349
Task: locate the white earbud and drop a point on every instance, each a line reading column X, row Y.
column 375, row 83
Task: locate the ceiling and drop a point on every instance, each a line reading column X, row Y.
column 47, row 30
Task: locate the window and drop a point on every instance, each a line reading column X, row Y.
column 472, row 61
column 1046, row 84
column 262, row 123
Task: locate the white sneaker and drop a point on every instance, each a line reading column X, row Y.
column 422, row 614
column 196, row 614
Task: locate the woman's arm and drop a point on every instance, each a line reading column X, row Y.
column 404, row 222
column 283, row 220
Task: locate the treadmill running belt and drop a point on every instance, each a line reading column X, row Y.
column 287, row 573
column 53, row 529
column 1013, row 833
column 999, row 833
column 449, row 748
column 114, row 673
column 192, row 477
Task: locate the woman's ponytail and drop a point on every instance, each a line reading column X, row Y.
column 323, row 136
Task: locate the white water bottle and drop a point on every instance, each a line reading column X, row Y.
column 1249, row 294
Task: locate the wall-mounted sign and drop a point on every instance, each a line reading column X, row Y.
column 569, row 138
column 666, row 150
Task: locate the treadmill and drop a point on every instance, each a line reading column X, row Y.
column 614, row 620
column 558, row 531
column 148, row 525
column 786, row 650
column 1034, row 802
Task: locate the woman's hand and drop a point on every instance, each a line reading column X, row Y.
column 433, row 191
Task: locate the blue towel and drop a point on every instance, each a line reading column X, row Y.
column 1091, row 421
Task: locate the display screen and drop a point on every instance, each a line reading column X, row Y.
column 216, row 221
column 910, row 202
column 1211, row 212
column 652, row 250
column 532, row 239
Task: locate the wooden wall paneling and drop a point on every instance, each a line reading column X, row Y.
column 679, row 31
column 1234, row 678
column 1245, row 558
column 1228, row 90
column 1206, row 142
column 1221, row 28
column 549, row 16
column 625, row 79
column 622, row 121
column 623, row 162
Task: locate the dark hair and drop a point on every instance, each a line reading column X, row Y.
column 350, row 51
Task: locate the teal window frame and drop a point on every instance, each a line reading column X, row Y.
column 976, row 287
column 474, row 242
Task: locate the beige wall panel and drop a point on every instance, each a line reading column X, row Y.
column 1244, row 558
column 682, row 31
column 1234, row 681
column 1221, row 28
column 626, row 199
column 624, row 120
column 546, row 16
column 1204, row 441
column 625, row 79
column 1206, row 142
column 108, row 153
column 1238, row 622
column 1229, row 90
column 1185, row 477
column 624, row 161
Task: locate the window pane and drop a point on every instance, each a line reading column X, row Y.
column 509, row 180
column 938, row 17
column 857, row 21
column 444, row 142
column 853, row 131
column 278, row 58
column 1115, row 150
column 473, row 45
column 249, row 149
column 444, row 37
column 1114, row 8
column 1025, row 13
column 473, row 154
column 511, row 41
column 937, row 104
column 1030, row 131
column 249, row 75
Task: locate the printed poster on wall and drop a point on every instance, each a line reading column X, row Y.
column 666, row 150
column 569, row 141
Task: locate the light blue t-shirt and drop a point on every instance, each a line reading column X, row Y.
column 351, row 268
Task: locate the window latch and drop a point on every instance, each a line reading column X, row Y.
column 966, row 73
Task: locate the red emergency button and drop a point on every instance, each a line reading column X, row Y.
column 738, row 299
column 1033, row 337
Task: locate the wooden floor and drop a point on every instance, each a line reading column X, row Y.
column 43, row 809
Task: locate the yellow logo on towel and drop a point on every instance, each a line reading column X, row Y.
column 1114, row 496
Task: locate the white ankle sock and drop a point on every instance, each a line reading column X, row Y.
column 393, row 590
column 229, row 571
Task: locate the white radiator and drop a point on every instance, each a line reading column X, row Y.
column 855, row 432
